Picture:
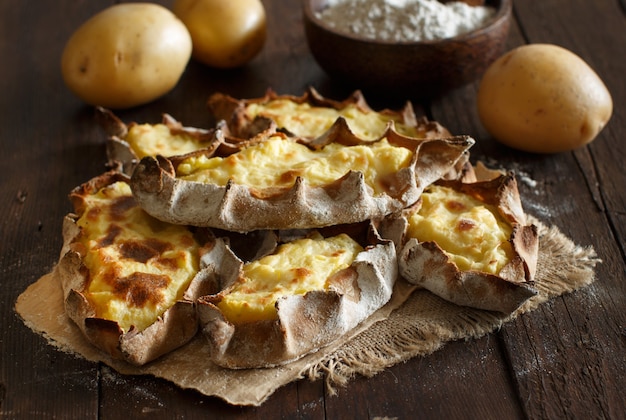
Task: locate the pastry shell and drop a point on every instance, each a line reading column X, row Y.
column 427, row 265
column 174, row 328
column 240, row 125
column 348, row 199
column 306, row 322
column 121, row 155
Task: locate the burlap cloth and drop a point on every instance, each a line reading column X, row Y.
column 414, row 323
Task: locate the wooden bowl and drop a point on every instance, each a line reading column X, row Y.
column 424, row 68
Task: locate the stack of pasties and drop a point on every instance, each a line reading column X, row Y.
column 282, row 228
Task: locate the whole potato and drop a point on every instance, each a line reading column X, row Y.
column 127, row 55
column 543, row 98
column 225, row 34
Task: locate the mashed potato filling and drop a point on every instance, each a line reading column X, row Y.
column 306, row 120
column 295, row 268
column 139, row 267
column 472, row 233
column 158, row 139
column 277, row 162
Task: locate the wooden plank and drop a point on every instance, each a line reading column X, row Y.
column 139, row 396
column 458, row 381
column 561, row 354
column 571, row 334
column 43, row 380
column 36, row 379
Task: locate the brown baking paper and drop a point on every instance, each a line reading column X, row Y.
column 414, row 323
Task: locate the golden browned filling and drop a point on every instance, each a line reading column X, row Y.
column 138, row 266
column 472, row 233
column 158, row 139
column 277, row 162
column 306, row 120
column 295, row 268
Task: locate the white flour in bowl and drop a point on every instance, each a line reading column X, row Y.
column 404, row 20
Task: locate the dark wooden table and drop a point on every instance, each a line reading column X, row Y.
column 565, row 360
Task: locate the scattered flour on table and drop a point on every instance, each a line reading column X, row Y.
column 404, row 20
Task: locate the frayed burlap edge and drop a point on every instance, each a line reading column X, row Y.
column 424, row 323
